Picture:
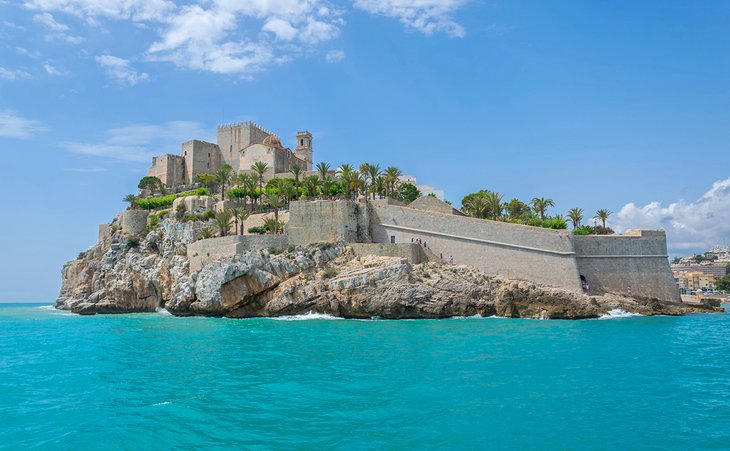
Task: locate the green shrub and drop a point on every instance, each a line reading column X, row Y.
column 275, row 250
column 291, row 248
column 583, row 230
column 154, row 220
column 258, row 229
column 132, row 242
column 324, row 246
column 330, row 272
column 180, row 212
column 154, row 203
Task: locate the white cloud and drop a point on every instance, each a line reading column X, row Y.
column 334, row 56
column 221, row 36
column 35, row 54
column 695, row 225
column 426, row 16
column 13, row 74
column 241, row 36
column 138, row 143
column 92, row 10
column 47, row 20
column 53, row 70
column 118, row 69
column 13, row 26
column 281, row 28
column 58, row 30
column 14, row 126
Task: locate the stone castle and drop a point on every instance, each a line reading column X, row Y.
column 240, row 145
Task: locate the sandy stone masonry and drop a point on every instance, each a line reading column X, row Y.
column 239, row 145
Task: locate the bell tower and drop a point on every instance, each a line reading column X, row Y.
column 304, row 149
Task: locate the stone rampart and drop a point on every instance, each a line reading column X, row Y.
column 542, row 255
column 202, row 252
column 194, row 204
column 328, row 221
column 134, row 221
column 412, row 252
column 634, row 263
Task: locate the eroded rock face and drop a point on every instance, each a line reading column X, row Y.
column 324, row 278
column 113, row 278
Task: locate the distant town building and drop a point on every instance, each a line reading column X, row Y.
column 694, row 280
column 717, row 270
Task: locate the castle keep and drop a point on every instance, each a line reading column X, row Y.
column 240, row 145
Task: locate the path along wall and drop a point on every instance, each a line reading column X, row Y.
column 542, row 255
column 635, row 262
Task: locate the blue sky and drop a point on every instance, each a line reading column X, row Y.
column 621, row 105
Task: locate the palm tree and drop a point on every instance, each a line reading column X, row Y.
column 576, row 216
column 239, row 215
column 346, row 174
column 272, row 225
column 379, row 186
column 132, row 199
column 296, row 170
column 540, row 204
column 494, row 203
column 311, row 184
column 273, row 199
column 223, row 221
column 324, row 169
column 250, row 186
column 260, row 169
column 602, row 215
column 364, row 176
column 223, row 175
column 392, row 174
column 478, row 205
column 373, row 171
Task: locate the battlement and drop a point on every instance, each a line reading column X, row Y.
column 245, row 124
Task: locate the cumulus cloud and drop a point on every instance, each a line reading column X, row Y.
column 57, row 30
column 138, row 143
column 53, row 70
column 241, row 36
column 12, row 74
column 14, row 126
column 426, row 16
column 334, row 56
column 695, row 225
column 119, row 69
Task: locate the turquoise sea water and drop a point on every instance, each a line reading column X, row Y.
column 152, row 381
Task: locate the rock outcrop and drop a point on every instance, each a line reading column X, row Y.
column 118, row 277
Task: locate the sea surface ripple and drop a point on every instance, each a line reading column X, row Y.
column 153, row 381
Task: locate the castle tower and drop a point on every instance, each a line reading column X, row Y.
column 234, row 137
column 304, row 149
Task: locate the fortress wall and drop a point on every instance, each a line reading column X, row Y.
column 637, row 260
column 134, row 221
column 170, row 169
column 412, row 252
column 327, row 221
column 542, row 255
column 202, row 252
column 200, row 158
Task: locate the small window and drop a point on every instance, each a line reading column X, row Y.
column 392, row 239
column 301, row 142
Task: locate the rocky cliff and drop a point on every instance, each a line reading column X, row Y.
column 118, row 277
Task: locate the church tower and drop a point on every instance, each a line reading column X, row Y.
column 304, row 149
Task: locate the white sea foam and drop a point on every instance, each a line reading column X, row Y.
column 306, row 316
column 161, row 403
column 163, row 311
column 618, row 313
column 47, row 307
